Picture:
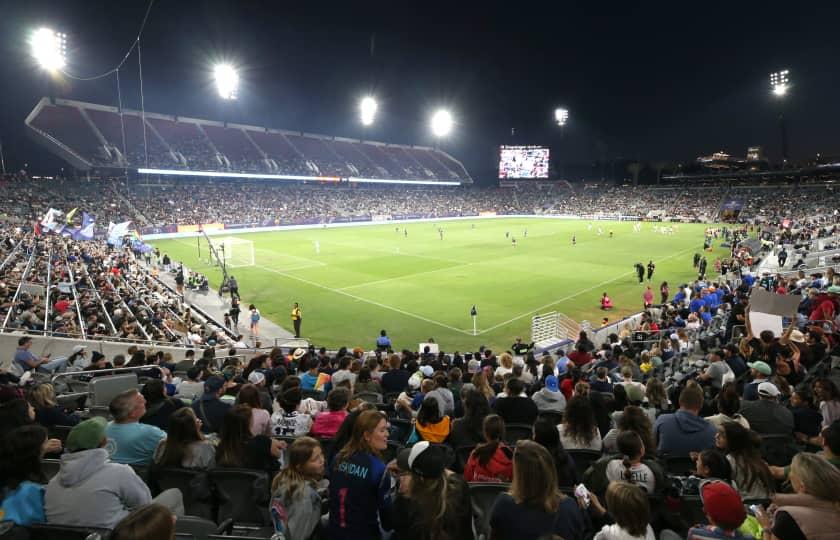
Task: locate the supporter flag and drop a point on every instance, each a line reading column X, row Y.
column 116, row 231
column 323, row 379
column 69, row 217
column 139, row 245
column 50, row 219
column 85, row 232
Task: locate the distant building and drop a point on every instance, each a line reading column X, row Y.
column 720, row 161
column 755, row 153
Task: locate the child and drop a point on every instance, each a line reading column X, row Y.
column 295, row 505
column 490, row 461
column 630, row 511
column 630, row 468
column 724, row 509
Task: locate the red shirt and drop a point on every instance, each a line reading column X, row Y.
column 567, row 388
column 580, row 359
column 61, row 306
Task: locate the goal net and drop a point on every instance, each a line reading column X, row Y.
column 549, row 330
column 236, row 252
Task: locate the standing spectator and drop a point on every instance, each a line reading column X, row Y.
column 234, row 311
column 254, row 316
column 647, row 298
column 295, row 490
column 684, row 431
column 534, row 507
column 297, row 318
column 491, row 460
column 234, row 287
column 664, row 291
column 131, row 442
column 358, row 495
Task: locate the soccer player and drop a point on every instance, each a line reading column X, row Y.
column 317, row 247
column 440, row 231
column 525, row 234
column 640, row 271
column 611, row 233
column 574, row 240
column 600, row 231
column 650, row 268
column 513, row 240
column 507, row 234
column 405, row 232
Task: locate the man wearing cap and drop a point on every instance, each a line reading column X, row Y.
column 766, row 415
column 131, row 442
column 26, row 360
column 209, row 408
column 550, row 398
column 90, row 490
column 724, row 509
column 759, row 371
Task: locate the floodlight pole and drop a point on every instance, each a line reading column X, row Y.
column 783, row 131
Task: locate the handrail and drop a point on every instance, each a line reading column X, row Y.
column 10, row 255
column 101, row 303
column 15, row 298
column 108, row 370
column 137, row 295
column 47, row 300
column 75, row 297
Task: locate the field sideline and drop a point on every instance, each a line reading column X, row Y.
column 418, row 285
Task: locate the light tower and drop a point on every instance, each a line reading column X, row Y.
column 780, row 85
column 367, row 110
column 441, row 124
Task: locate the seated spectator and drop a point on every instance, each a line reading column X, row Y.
column 26, row 360
column 260, row 418
column 750, row 473
column 829, row 440
column 92, row 491
column 627, row 380
column 759, row 371
column 359, row 505
column 149, row 521
column 546, row 434
column 811, row 512
column 468, row 430
column 365, row 383
column 309, row 380
column 432, row 502
column 579, row 429
column 807, row 420
column 21, row 491
column 431, row 424
column 829, row 399
column 718, row 373
column 656, row 396
column 766, row 415
column 238, row 448
column 159, row 407
column 634, row 419
column 185, row 445
column 326, row 424
column 728, row 404
column 192, row 387
column 443, row 395
column 395, row 379
column 550, row 398
column 631, row 466
column 684, row 431
column 580, row 357
column 48, row 412
column 188, row 361
column 712, row 463
column 534, row 507
column 601, row 382
column 505, row 366
column 295, row 490
column 723, row 508
column 287, row 420
column 628, row 506
column 209, row 408
column 491, row 460
column 515, row 407
column 131, row 442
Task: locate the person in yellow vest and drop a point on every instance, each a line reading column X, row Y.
column 296, row 318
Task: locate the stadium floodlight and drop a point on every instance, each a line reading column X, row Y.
column 368, row 108
column 780, row 82
column 49, row 48
column 441, row 123
column 227, row 80
column 561, row 116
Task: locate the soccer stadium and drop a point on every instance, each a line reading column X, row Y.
column 287, row 273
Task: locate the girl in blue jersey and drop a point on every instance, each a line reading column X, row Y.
column 359, row 483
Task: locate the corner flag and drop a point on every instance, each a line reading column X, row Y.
column 473, row 311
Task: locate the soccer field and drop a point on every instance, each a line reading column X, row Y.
column 418, row 285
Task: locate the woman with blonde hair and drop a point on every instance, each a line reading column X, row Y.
column 505, row 366
column 149, row 521
column 813, row 510
column 295, row 490
column 482, row 386
column 48, row 412
column 534, row 507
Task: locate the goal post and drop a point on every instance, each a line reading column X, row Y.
column 236, row 252
column 554, row 329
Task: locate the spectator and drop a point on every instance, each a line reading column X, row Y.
column 92, row 491
column 238, row 448
column 185, row 445
column 718, row 373
column 550, row 398
column 515, row 407
column 365, row 383
column 443, row 394
column 601, row 383
column 287, row 420
column 505, row 366
column 468, row 430
column 479, row 380
column 632, row 419
column 383, row 342
column 327, row 423
column 47, row 411
column 580, row 356
column 193, row 386
column 807, row 420
column 131, row 442
column 579, row 429
column 723, row 508
column 829, row 398
column 712, row 463
column 656, row 396
column 491, row 460
column 759, row 371
column 26, row 360
column 743, row 451
column 728, row 404
column 767, row 416
column 149, row 521
column 534, row 507
column 309, row 380
column 210, row 409
column 395, row 379
column 260, row 418
column 159, row 407
column 684, row 431
column 431, row 503
column 546, row 434
column 631, row 466
column 295, row 490
column 21, row 492
column 431, row 424
column 629, row 508
column 811, row 512
column 358, row 495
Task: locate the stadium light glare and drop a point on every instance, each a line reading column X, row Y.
column 49, row 48
column 442, row 123
column 561, row 116
column 368, row 108
column 780, row 82
column 227, row 81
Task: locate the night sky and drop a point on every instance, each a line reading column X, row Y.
column 664, row 82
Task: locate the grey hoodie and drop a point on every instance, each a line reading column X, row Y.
column 91, row 491
column 546, row 400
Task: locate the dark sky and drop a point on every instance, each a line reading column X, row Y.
column 665, row 81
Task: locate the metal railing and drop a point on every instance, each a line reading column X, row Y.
column 47, row 299
column 76, row 299
column 16, row 297
column 101, row 303
column 107, row 370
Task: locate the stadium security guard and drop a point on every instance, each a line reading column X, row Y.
column 640, row 271
column 296, row 319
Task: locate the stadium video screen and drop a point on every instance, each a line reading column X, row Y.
column 523, row 162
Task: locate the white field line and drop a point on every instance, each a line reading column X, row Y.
column 399, row 253
column 573, row 295
column 360, row 299
column 395, row 278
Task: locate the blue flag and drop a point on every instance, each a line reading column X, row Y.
column 85, row 232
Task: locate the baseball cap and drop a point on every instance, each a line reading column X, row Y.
column 213, row 384
column 761, row 367
column 473, row 366
column 86, row 435
column 551, row 383
column 834, row 289
column 79, row 348
column 768, row 389
column 427, row 371
column 299, row 352
column 424, row 459
column 256, row 377
column 722, row 504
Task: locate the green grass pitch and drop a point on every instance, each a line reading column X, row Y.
column 418, row 286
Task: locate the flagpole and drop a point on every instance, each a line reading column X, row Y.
column 474, row 324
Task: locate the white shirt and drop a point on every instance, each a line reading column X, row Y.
column 573, row 444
